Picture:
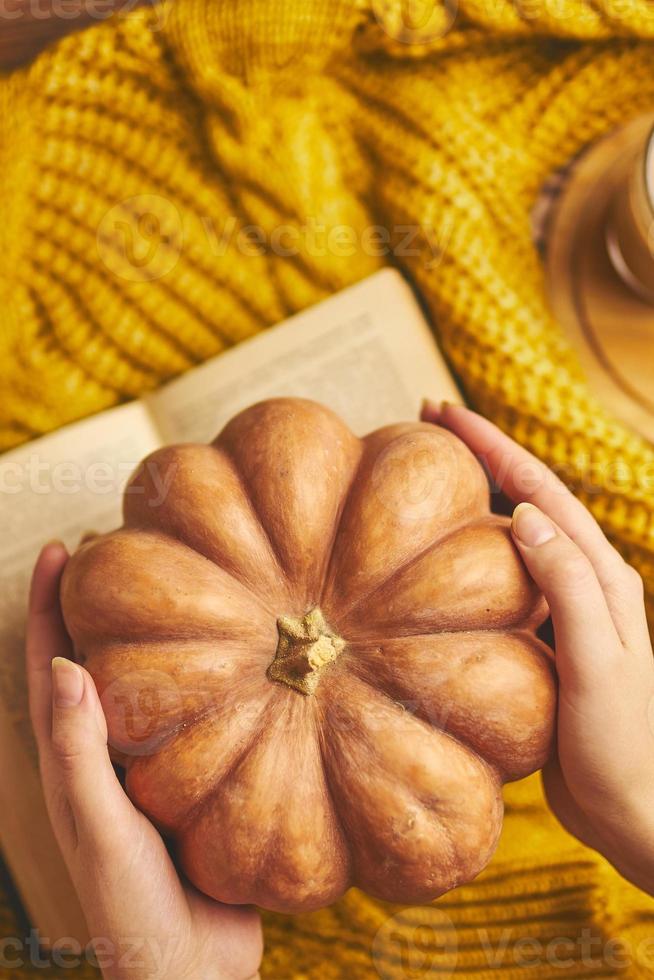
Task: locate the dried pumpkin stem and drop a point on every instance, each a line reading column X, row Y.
column 306, row 646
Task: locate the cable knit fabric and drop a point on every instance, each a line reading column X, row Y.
column 175, row 180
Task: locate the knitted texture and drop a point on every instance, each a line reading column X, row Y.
column 132, row 156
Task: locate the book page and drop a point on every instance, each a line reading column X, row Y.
column 367, row 353
column 59, row 486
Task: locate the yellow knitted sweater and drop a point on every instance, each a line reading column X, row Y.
column 445, row 117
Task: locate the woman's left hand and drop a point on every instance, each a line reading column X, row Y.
column 148, row 924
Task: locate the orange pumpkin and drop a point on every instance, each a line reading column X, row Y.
column 316, row 655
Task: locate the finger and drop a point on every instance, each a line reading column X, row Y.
column 587, row 642
column 115, row 856
column 522, row 477
column 77, row 766
column 46, row 635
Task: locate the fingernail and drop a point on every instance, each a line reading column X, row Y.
column 67, row 683
column 428, row 410
column 53, row 543
column 434, row 409
column 531, row 526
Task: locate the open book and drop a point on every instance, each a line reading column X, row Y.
column 367, row 353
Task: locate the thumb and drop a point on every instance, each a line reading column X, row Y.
column 78, row 767
column 586, row 638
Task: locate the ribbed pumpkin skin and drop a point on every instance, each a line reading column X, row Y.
column 372, row 753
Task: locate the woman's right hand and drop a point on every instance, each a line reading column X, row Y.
column 601, row 782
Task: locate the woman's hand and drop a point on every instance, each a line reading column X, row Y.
column 601, row 785
column 147, row 923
